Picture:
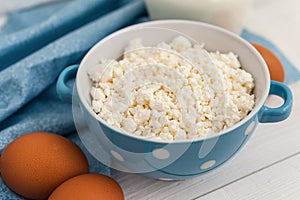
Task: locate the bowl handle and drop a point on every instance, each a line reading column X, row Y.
column 269, row 115
column 63, row 90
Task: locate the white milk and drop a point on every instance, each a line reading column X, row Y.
column 229, row 14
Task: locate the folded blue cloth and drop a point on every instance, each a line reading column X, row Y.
column 67, row 18
column 34, row 51
column 30, row 76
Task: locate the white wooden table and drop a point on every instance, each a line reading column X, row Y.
column 268, row 167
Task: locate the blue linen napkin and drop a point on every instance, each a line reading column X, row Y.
column 74, row 14
column 28, row 101
column 30, row 76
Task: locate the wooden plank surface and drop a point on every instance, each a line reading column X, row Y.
column 271, row 145
column 278, row 182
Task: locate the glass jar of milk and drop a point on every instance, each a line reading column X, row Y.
column 229, row 14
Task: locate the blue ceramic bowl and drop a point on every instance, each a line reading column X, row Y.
column 179, row 159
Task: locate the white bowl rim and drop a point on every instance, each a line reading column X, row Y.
column 258, row 105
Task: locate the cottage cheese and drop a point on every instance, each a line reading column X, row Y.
column 174, row 91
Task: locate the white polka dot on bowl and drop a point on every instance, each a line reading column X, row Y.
column 208, row 164
column 161, row 154
column 116, row 155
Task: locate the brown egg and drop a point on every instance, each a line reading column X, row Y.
column 88, row 186
column 34, row 164
column 275, row 67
